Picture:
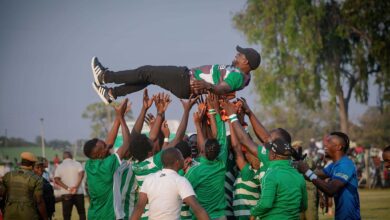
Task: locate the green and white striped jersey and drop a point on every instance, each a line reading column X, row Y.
column 143, row 169
column 124, row 190
column 246, row 191
column 215, row 74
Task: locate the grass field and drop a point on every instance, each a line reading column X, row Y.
column 374, row 204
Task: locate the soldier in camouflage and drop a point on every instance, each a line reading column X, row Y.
column 22, row 190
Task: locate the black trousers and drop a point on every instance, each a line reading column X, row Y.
column 68, row 200
column 172, row 78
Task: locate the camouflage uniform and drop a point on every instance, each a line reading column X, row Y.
column 20, row 187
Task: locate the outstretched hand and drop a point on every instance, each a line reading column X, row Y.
column 147, row 102
column 187, row 105
column 120, row 110
column 228, row 107
column 150, row 119
column 165, row 129
column 212, row 101
column 244, row 106
column 162, row 101
column 198, row 116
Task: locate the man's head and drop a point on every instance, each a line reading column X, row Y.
column 140, row 147
column 282, row 134
column 67, row 155
column 96, row 149
column 246, row 59
column 171, row 158
column 39, row 166
column 193, row 142
column 336, row 144
column 279, row 149
column 28, row 159
column 386, row 157
column 212, row 149
column 185, row 150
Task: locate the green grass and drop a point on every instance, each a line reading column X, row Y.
column 374, row 204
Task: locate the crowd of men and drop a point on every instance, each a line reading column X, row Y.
column 209, row 175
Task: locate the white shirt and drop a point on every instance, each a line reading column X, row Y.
column 69, row 171
column 166, row 190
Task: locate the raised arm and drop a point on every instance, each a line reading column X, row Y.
column 146, row 103
column 161, row 101
column 242, row 137
column 187, row 105
column 200, row 136
column 240, row 159
column 120, row 111
column 213, row 109
column 261, row 132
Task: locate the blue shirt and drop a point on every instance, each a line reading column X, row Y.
column 347, row 199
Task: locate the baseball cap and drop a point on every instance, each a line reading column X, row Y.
column 251, row 55
column 279, row 146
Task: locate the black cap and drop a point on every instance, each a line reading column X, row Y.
column 251, row 55
column 279, row 146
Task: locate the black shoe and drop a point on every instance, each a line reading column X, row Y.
column 102, row 91
column 98, row 71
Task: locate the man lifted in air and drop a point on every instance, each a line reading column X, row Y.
column 181, row 81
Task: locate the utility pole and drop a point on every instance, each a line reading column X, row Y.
column 42, row 139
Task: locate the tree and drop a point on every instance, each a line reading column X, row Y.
column 101, row 116
column 302, row 123
column 375, row 127
column 316, row 49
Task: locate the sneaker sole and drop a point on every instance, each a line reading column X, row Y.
column 94, row 86
column 95, row 74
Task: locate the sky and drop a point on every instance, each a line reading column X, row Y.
column 46, row 47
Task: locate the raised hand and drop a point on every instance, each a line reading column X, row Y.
column 187, row 105
column 244, row 106
column 212, row 101
column 165, row 129
column 162, row 101
column 147, row 102
column 198, row 116
column 150, row 120
column 229, row 107
column 120, row 110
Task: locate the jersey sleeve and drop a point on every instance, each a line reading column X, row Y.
column 343, row 172
column 247, row 174
column 235, row 80
column 157, row 160
column 185, row 188
column 262, row 155
column 221, row 137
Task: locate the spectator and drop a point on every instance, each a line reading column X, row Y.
column 23, row 191
column 48, row 191
column 69, row 176
column 342, row 173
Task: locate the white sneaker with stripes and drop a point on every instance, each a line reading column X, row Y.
column 103, row 93
column 98, row 71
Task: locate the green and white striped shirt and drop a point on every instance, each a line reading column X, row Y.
column 246, row 191
column 143, row 169
column 124, row 190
